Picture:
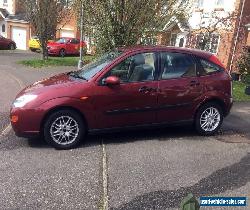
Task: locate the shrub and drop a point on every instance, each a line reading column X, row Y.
column 243, row 63
column 246, row 78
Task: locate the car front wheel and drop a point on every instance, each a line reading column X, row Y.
column 64, row 129
column 12, row 46
column 62, row 53
column 208, row 119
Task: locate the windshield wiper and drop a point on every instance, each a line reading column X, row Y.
column 76, row 75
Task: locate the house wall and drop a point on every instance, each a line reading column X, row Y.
column 4, row 34
column 22, row 25
column 18, row 6
column 226, row 52
column 243, row 37
column 9, row 6
column 209, row 5
column 69, row 24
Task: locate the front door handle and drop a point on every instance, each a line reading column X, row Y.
column 194, row 83
column 146, row 89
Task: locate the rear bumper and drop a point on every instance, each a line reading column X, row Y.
column 229, row 105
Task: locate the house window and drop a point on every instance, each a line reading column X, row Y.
column 3, row 28
column 200, row 4
column 5, row 1
column 181, row 43
column 148, row 40
column 66, row 3
column 173, row 39
column 208, row 42
column 219, row 3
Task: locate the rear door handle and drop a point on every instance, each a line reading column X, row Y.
column 143, row 89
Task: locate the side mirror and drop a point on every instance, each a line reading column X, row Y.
column 112, row 80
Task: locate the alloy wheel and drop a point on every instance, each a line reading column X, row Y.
column 210, row 119
column 64, row 130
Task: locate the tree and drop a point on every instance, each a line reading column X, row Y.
column 123, row 22
column 44, row 16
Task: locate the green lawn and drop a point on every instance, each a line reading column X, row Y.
column 239, row 92
column 55, row 61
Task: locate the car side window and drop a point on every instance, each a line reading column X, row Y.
column 140, row 67
column 176, row 65
column 74, row 41
column 207, row 67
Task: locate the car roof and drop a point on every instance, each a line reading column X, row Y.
column 67, row 38
column 196, row 52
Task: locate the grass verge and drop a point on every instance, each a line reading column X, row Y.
column 55, row 61
column 239, row 91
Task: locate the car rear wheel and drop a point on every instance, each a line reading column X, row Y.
column 33, row 49
column 64, row 129
column 62, row 53
column 208, row 119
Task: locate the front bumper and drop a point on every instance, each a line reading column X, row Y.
column 53, row 51
column 28, row 123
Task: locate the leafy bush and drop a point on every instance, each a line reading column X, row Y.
column 243, row 64
column 246, row 78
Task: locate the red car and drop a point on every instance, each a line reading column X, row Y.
column 64, row 46
column 126, row 88
column 7, row 44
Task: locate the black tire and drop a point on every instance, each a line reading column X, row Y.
column 33, row 49
column 210, row 125
column 70, row 135
column 12, row 46
column 62, row 53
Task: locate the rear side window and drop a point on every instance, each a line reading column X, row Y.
column 208, row 67
column 176, row 65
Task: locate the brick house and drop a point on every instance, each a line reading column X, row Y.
column 13, row 24
column 226, row 41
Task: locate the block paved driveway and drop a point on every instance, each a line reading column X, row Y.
column 147, row 169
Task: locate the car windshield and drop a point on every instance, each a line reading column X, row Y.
column 61, row 41
column 90, row 70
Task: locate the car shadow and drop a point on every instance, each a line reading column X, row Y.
column 123, row 137
column 160, row 134
column 228, row 178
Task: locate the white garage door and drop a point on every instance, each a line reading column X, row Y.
column 19, row 37
column 67, row 33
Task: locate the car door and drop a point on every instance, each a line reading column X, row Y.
column 134, row 100
column 179, row 87
column 74, row 46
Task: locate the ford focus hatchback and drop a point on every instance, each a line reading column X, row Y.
column 126, row 88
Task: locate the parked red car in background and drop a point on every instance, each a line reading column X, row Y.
column 7, row 44
column 65, row 46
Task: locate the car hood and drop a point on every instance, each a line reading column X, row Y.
column 8, row 40
column 54, row 87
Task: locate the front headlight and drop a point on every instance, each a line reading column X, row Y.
column 23, row 100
